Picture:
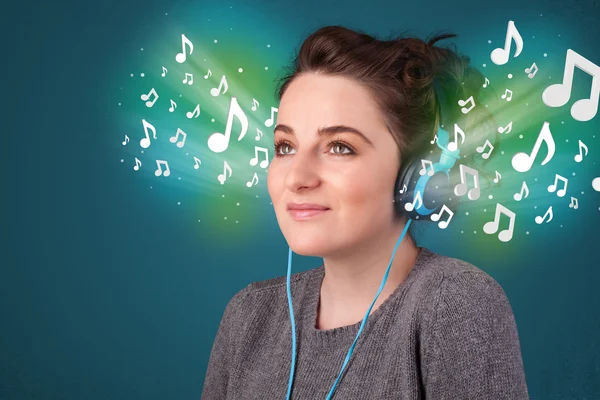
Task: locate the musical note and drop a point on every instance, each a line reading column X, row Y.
column 403, row 189
column 209, row 73
column 174, row 138
column 223, row 177
column 486, row 82
column 147, row 96
column 254, row 160
column 480, row 149
column 259, row 134
column 498, row 177
column 522, row 162
column 461, row 188
column 417, row 199
column 424, row 170
column 452, row 146
column 181, row 57
column 560, row 192
column 173, row 106
column 145, row 142
column 505, row 129
column 218, row 142
column 507, row 95
column 197, row 163
column 195, row 113
column 539, row 220
column 558, row 95
column 529, row 70
column 269, row 122
column 579, row 157
column 463, row 103
column 524, row 188
column 436, row 217
column 159, row 171
column 191, row 78
column 434, row 139
column 500, row 55
column 253, row 182
column 126, row 140
column 216, row 91
column 596, row 184
column 492, row 226
column 574, row 203
column 137, row 165
column 164, row 73
column 255, row 104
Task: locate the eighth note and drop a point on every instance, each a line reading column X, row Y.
column 486, row 82
column 461, row 188
column 197, row 163
column 424, row 170
column 181, row 57
column 254, row 160
column 500, row 55
column 539, row 220
column 574, row 203
column 174, row 138
column 524, row 188
column 403, row 189
column 191, row 80
column 436, row 217
column 434, row 139
column 259, row 134
column 560, row 192
column 533, row 68
column 411, row 206
column 492, row 226
column 505, row 129
column 223, row 177
column 145, row 97
column 216, row 91
column 498, row 177
column 269, row 122
column 252, row 183
column 164, row 72
column 218, row 142
column 452, row 146
column 522, row 162
column 159, row 171
column 195, row 113
column 507, row 95
column 137, row 165
column 255, row 104
column 579, row 157
column 173, row 106
column 463, row 103
column 126, row 140
column 480, row 149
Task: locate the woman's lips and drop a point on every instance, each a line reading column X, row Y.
column 300, row 215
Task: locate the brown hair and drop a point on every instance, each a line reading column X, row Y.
column 400, row 73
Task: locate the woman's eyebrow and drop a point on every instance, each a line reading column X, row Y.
column 327, row 131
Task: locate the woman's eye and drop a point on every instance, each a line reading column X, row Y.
column 336, row 148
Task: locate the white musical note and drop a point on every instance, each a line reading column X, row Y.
column 463, row 103
column 403, row 189
column 216, row 91
column 254, row 160
column 126, row 140
column 255, row 104
column 505, row 129
column 218, row 142
column 145, row 142
column 223, row 177
column 253, row 182
column 195, row 113
column 498, row 177
column 558, row 95
column 539, row 220
column 492, row 226
column 500, row 55
column 560, row 192
column 461, row 188
column 596, row 184
column 507, row 95
column 486, row 82
column 164, row 73
column 181, row 57
column 173, row 106
column 174, row 138
column 259, row 134
column 529, row 70
column 424, row 170
column 145, row 97
column 269, row 122
column 209, row 73
column 579, row 157
column 159, row 171
column 452, row 146
column 574, row 203
column 522, row 162
column 480, row 149
column 137, row 165
column 524, row 188
column 436, row 217
column 197, row 163
column 417, row 199
column 435, row 138
column 190, row 80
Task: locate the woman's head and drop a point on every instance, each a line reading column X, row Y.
column 384, row 89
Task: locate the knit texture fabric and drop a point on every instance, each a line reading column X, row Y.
column 447, row 332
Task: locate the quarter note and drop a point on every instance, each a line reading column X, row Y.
column 164, row 73
column 505, row 129
column 531, row 71
column 216, row 91
column 126, row 140
column 218, row 142
column 174, row 138
column 579, row 157
column 159, row 170
column 223, row 177
column 574, row 203
column 492, row 226
column 137, row 165
column 524, row 188
column 522, row 162
column 507, row 95
column 560, row 192
column 173, row 106
column 452, row 146
column 463, row 103
column 500, row 55
column 145, row 97
column 145, row 142
column 549, row 214
column 181, row 57
column 461, row 188
column 480, row 149
column 424, row 170
column 417, row 199
column 254, row 160
column 197, row 163
column 253, row 182
column 558, row 95
column 436, row 217
column 269, row 122
column 195, row 113
column 190, row 80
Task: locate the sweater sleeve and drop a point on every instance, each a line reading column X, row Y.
column 217, row 372
column 474, row 350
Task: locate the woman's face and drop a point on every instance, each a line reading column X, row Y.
column 354, row 179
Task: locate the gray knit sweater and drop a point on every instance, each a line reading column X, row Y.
column 446, row 332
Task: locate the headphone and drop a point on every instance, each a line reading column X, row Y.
column 418, row 192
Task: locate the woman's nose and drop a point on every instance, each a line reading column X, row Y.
column 303, row 172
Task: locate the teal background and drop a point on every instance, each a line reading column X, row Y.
column 110, row 289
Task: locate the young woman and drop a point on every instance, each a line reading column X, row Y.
column 353, row 109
